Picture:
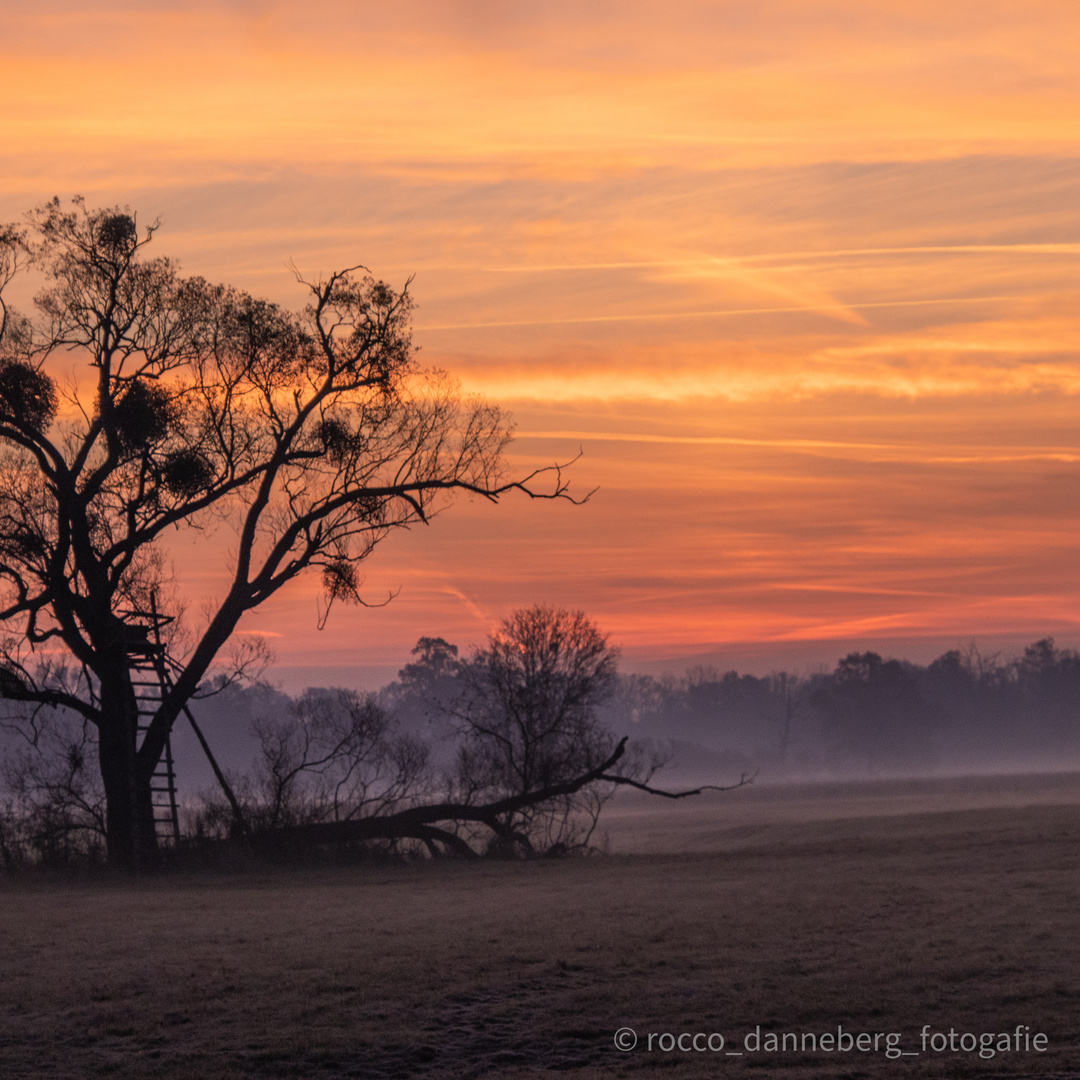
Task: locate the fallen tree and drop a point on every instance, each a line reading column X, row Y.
column 439, row 823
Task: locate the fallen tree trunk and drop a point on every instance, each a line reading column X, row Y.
column 422, row 822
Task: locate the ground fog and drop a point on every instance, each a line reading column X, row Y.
column 866, row 908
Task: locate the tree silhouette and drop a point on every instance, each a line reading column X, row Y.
column 308, row 437
column 874, row 713
column 529, row 718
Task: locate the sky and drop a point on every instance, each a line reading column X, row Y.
column 797, row 280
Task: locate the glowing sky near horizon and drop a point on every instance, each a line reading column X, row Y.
column 799, row 279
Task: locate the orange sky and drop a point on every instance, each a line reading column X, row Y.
column 800, row 279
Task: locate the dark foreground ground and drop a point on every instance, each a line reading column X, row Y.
column 946, row 905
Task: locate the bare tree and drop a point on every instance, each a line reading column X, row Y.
column 787, row 702
column 310, row 436
column 335, row 756
column 54, row 809
column 347, row 756
column 528, row 718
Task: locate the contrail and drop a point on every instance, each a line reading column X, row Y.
column 926, row 249
column 724, row 313
column 473, row 608
column 961, row 455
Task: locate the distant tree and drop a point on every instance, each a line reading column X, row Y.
column 308, row 436
column 787, row 704
column 951, row 677
column 437, row 662
column 426, row 687
column 992, row 711
column 874, row 715
column 1048, row 683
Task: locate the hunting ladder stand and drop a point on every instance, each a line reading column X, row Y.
column 150, row 678
column 149, row 667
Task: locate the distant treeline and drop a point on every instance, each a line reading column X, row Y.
column 869, row 716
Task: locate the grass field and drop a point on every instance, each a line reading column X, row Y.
column 875, row 908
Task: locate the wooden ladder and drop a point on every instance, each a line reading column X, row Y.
column 151, row 681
